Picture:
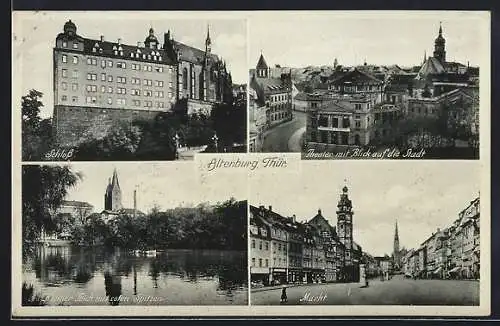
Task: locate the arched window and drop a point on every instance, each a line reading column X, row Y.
column 185, row 78
column 202, row 89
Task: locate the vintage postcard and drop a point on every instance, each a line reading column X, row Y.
column 129, row 86
column 368, row 86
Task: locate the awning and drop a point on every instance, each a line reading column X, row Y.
column 455, row 269
column 437, row 270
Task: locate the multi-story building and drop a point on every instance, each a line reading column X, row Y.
column 357, row 82
column 257, row 122
column 260, row 247
column 275, row 93
column 339, row 121
column 450, row 253
column 98, row 82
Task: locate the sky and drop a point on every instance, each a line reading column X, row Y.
column 317, row 38
column 167, row 185
column 420, row 196
column 35, row 33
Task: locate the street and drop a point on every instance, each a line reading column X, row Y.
column 397, row 291
column 287, row 136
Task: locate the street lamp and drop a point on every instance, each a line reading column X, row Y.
column 176, row 140
column 215, row 139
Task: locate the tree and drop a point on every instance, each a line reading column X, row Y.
column 43, row 190
column 36, row 132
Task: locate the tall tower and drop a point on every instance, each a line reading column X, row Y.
column 113, row 196
column 439, row 46
column 262, row 68
column 397, row 259
column 344, row 224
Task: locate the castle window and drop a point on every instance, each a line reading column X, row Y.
column 103, row 89
column 64, row 44
column 74, row 99
column 159, row 83
column 75, row 60
column 64, row 85
column 64, row 58
column 75, row 45
column 120, row 101
column 110, row 78
column 74, row 74
column 160, row 105
column 159, row 58
column 135, row 66
column 103, row 77
column 185, row 78
column 144, row 56
column 131, row 55
column 170, row 70
column 136, row 103
column 103, row 63
column 94, row 50
column 74, row 87
column 149, row 56
column 169, row 94
column 159, row 69
column 148, row 104
column 64, row 98
column 100, row 50
column 110, row 63
column 170, row 85
column 110, row 89
column 110, row 100
column 121, row 53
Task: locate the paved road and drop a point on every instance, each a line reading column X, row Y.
column 277, row 139
column 397, row 291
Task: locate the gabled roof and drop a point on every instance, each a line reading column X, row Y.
column 356, row 76
column 271, row 85
column 432, row 66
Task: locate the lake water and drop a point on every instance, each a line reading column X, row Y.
column 78, row 276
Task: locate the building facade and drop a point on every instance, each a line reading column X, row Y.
column 98, row 82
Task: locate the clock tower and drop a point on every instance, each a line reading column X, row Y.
column 344, row 225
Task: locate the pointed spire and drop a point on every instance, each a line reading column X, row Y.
column 115, row 182
column 440, row 28
column 208, row 41
column 396, row 235
column 425, row 56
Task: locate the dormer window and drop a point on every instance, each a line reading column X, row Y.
column 75, row 45
column 143, row 56
column 120, row 48
column 100, row 50
column 149, row 56
column 131, row 54
column 159, row 58
column 94, row 50
column 154, row 58
column 121, row 53
column 114, row 47
column 64, row 44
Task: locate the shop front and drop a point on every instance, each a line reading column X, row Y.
column 278, row 276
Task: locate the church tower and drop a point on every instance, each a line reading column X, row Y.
column 113, row 195
column 262, row 68
column 344, row 225
column 439, row 46
column 396, row 253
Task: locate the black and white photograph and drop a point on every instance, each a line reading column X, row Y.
column 131, row 234
column 367, row 85
column 364, row 238
column 129, row 86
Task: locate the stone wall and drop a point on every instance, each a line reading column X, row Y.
column 70, row 123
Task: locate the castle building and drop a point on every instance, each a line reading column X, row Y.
column 98, row 82
column 275, row 93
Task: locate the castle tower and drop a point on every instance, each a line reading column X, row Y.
column 262, row 68
column 439, row 46
column 344, row 224
column 151, row 41
column 113, row 196
column 395, row 253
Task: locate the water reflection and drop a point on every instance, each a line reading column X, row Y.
column 78, row 276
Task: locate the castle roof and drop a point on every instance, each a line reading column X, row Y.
column 192, row 54
column 271, row 85
column 76, row 203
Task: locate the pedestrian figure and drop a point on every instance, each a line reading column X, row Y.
column 283, row 295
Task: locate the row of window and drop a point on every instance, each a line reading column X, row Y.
column 279, row 98
column 119, row 90
column 119, row 101
column 65, row 45
column 120, row 64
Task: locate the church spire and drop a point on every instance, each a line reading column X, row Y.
column 208, row 41
column 425, row 56
column 396, row 235
column 115, row 184
column 440, row 29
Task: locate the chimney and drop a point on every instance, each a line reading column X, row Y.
column 138, row 44
column 270, row 208
column 294, row 218
column 135, row 202
column 119, row 41
column 102, row 38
